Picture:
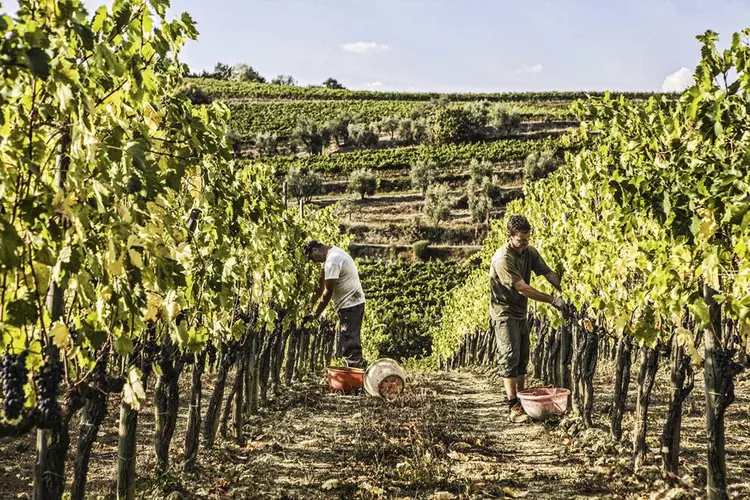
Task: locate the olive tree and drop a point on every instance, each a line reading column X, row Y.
column 539, row 164
column 423, row 174
column 437, row 206
column 311, row 135
column 303, row 184
column 505, row 119
column 363, row 182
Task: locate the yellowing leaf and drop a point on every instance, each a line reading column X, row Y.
column 135, row 258
column 153, row 305
column 115, row 268
column 132, row 392
column 171, row 306
column 60, row 335
column 708, row 224
column 183, row 253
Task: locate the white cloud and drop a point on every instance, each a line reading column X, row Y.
column 531, row 70
column 677, row 81
column 365, row 47
column 375, row 84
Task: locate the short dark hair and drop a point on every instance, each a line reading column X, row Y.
column 518, row 224
column 310, row 246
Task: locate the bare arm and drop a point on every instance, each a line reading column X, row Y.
column 532, row 293
column 328, row 287
column 554, row 280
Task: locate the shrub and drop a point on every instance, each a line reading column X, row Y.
column 389, row 125
column 420, row 249
column 222, row 71
column 480, row 199
column 339, row 128
column 235, row 140
column 332, row 83
column 284, row 80
column 411, row 131
column 479, row 169
column 243, row 73
column 481, row 190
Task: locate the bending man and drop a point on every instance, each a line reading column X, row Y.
column 340, row 283
column 510, row 274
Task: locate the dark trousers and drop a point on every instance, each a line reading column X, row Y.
column 350, row 327
column 512, row 338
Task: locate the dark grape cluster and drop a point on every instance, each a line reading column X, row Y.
column 47, row 389
column 211, row 352
column 152, row 350
column 14, row 375
column 230, row 350
column 145, row 351
column 241, row 316
column 727, row 367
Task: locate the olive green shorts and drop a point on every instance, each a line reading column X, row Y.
column 512, row 338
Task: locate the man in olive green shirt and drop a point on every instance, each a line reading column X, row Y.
column 510, row 274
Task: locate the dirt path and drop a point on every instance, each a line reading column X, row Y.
column 529, row 458
column 446, row 438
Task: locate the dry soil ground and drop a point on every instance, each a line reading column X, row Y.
column 446, row 438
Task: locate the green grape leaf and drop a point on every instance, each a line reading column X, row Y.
column 22, row 311
column 37, row 60
column 123, row 345
column 10, row 242
column 85, row 34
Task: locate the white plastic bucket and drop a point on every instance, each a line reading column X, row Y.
column 385, row 379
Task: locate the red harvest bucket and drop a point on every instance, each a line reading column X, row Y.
column 347, row 380
column 541, row 403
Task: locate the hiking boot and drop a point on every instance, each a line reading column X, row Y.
column 516, row 415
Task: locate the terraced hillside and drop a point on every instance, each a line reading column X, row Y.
column 277, row 124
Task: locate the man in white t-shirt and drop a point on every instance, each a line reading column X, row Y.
column 340, row 282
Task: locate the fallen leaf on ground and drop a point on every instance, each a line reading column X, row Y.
column 276, row 447
column 460, row 446
column 443, row 495
column 311, row 443
column 331, row 484
column 513, row 493
column 459, row 457
column 372, row 490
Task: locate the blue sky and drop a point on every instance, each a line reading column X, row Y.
column 461, row 45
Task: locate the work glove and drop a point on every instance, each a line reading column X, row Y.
column 559, row 304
